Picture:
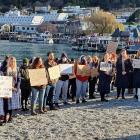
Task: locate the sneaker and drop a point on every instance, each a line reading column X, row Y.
column 41, row 112
column 84, row 101
column 33, row 113
column 77, row 101
column 45, row 109
column 23, row 109
column 57, row 106
column 123, row 98
column 26, row 109
column 66, row 103
column 104, row 100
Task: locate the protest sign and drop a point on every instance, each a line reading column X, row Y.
column 54, row 72
column 83, row 70
column 112, row 47
column 104, row 66
column 136, row 63
column 94, row 72
column 66, row 68
column 5, row 86
column 38, row 77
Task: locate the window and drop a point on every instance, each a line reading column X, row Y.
column 23, row 28
column 27, row 28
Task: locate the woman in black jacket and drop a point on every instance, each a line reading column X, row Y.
column 123, row 70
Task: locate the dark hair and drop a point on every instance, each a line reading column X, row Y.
column 49, row 53
column 36, row 61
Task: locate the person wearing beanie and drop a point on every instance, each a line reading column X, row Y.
column 25, row 84
column 62, row 83
column 81, row 81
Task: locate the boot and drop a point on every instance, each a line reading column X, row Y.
column 41, row 110
column 33, row 112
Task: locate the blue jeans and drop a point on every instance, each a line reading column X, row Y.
column 81, row 88
column 38, row 93
column 50, row 88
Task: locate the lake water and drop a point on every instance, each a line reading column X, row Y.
column 21, row 50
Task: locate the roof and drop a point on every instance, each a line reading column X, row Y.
column 54, row 16
column 21, row 20
column 116, row 33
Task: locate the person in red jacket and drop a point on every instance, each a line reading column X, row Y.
column 81, row 82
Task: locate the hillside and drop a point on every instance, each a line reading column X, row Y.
column 106, row 4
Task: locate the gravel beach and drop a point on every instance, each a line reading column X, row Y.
column 116, row 119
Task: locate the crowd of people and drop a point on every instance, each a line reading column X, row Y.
column 73, row 87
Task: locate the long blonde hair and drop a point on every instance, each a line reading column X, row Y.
column 12, row 64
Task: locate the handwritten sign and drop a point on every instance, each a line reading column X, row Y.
column 66, row 68
column 38, row 77
column 54, row 72
column 94, row 72
column 136, row 63
column 5, row 86
column 83, row 70
column 104, row 66
column 112, row 47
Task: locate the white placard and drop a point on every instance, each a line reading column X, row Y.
column 104, row 66
column 6, row 86
column 66, row 68
column 136, row 63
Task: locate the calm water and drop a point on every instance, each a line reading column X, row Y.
column 22, row 50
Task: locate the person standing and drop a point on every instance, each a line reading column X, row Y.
column 14, row 102
column 123, row 69
column 37, row 91
column 50, row 90
column 105, row 77
column 93, row 79
column 81, row 81
column 62, row 84
column 25, row 84
column 136, row 76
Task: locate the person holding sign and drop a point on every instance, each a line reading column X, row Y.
column 105, row 76
column 93, row 77
column 136, row 74
column 62, row 84
column 39, row 90
column 50, row 90
column 123, row 69
column 82, row 76
column 14, row 102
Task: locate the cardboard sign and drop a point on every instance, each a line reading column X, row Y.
column 38, row 77
column 6, row 86
column 66, row 68
column 104, row 66
column 83, row 70
column 94, row 72
column 54, row 72
column 112, row 47
column 136, row 63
